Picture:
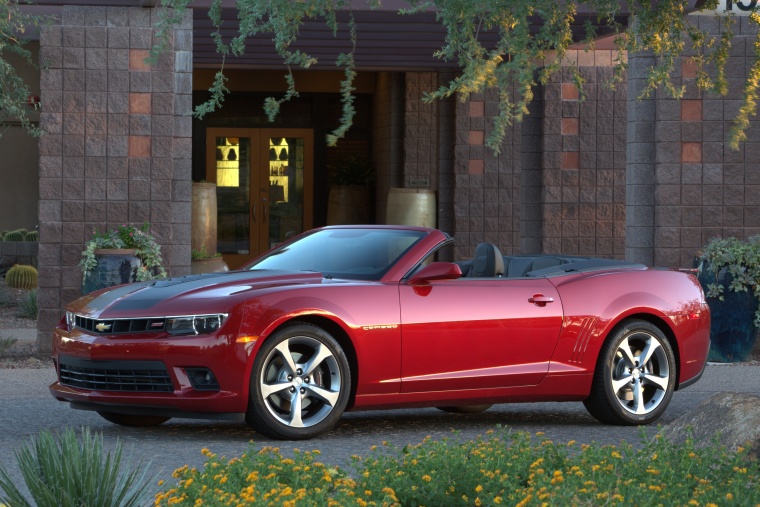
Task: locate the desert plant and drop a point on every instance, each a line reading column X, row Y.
column 67, row 472
column 6, row 299
column 32, row 236
column 202, row 254
column 16, row 235
column 5, row 344
column 22, row 276
column 27, row 307
column 126, row 236
column 352, row 171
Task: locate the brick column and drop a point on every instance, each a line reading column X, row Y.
column 117, row 144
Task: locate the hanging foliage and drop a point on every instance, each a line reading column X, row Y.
column 15, row 93
column 532, row 38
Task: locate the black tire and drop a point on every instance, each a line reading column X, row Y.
column 466, row 409
column 135, row 421
column 625, row 391
column 299, row 364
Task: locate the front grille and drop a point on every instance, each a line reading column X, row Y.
column 119, row 326
column 125, row 376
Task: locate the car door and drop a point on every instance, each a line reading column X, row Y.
column 475, row 333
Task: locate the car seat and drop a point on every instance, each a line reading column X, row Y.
column 488, row 262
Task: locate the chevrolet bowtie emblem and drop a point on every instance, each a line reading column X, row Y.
column 103, row 327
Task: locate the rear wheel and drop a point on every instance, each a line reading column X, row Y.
column 635, row 375
column 136, row 421
column 300, row 384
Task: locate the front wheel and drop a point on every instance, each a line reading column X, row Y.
column 300, row 384
column 635, row 375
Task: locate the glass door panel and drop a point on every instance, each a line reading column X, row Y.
column 233, row 195
column 286, row 188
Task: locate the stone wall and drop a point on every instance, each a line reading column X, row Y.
column 584, row 160
column 686, row 185
column 117, row 145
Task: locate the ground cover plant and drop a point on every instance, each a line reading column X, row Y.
column 500, row 468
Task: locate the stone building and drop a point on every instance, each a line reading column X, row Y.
column 611, row 176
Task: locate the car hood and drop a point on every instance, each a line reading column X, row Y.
column 194, row 294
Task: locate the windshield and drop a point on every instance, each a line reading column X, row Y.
column 359, row 254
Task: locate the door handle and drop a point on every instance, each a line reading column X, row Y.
column 540, row 300
column 253, row 211
column 264, row 207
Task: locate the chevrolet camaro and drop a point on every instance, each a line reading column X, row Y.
column 369, row 317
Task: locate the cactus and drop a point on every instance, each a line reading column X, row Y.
column 14, row 236
column 32, row 236
column 21, row 276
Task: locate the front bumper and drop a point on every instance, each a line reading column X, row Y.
column 150, row 375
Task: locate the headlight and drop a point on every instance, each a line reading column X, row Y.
column 70, row 320
column 195, row 324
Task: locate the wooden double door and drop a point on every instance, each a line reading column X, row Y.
column 265, row 182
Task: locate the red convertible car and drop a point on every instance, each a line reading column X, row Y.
column 367, row 317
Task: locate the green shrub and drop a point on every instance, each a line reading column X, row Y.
column 5, row 344
column 27, row 307
column 501, row 468
column 22, row 276
column 67, row 472
column 32, row 236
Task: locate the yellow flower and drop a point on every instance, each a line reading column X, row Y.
column 497, row 500
column 478, row 503
column 479, row 488
column 426, row 478
column 160, row 483
column 188, row 482
column 729, row 496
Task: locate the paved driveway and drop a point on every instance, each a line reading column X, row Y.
column 26, row 407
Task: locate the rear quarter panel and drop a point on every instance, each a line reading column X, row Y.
column 595, row 303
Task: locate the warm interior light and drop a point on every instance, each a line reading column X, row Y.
column 228, row 166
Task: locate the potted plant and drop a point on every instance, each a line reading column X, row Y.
column 729, row 271
column 203, row 262
column 348, row 201
column 122, row 255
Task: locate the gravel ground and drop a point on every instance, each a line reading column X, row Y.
column 19, row 354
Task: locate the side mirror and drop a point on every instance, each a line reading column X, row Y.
column 436, row 271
